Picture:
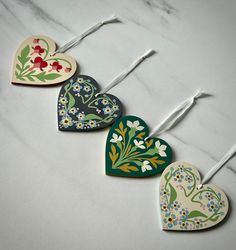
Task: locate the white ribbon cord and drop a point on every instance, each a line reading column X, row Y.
column 126, row 72
column 218, row 166
column 177, row 114
column 76, row 40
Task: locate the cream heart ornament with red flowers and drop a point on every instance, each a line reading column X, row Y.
column 184, row 206
column 35, row 63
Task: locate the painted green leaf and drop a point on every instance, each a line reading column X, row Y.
column 23, row 58
column 25, row 68
column 30, row 78
column 19, row 77
column 31, row 72
column 214, row 218
column 51, row 76
column 18, row 67
column 92, row 117
column 71, row 101
column 196, row 213
column 43, row 76
column 67, row 86
column 173, row 194
column 40, row 76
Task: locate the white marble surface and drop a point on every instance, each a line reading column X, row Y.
column 54, row 194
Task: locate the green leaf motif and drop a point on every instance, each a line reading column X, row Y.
column 71, row 101
column 214, row 218
column 173, row 194
column 67, row 86
column 166, row 176
column 196, row 213
column 43, row 76
column 92, row 117
column 23, row 58
column 18, row 67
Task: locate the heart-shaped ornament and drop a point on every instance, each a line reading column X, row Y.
column 129, row 155
column 34, row 63
column 183, row 206
column 80, row 109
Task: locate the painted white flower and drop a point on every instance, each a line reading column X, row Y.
column 139, row 144
column 161, row 149
column 135, row 125
column 146, row 166
column 116, row 138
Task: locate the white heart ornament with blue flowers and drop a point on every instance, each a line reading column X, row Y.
column 183, row 206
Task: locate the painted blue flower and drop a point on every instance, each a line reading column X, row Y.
column 175, row 205
column 184, row 213
column 189, row 178
column 164, row 207
column 107, row 110
column 62, row 112
column 81, row 116
column 184, row 224
column 178, row 176
column 87, row 88
column 104, row 102
column 209, row 196
column 115, row 107
column 63, row 100
column 212, row 206
column 92, row 123
column 164, row 192
column 72, row 111
column 170, row 220
column 77, row 87
column 198, row 223
column 80, row 80
column 221, row 203
column 181, row 168
column 66, row 121
column 79, row 125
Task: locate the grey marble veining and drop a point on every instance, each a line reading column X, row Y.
column 53, row 190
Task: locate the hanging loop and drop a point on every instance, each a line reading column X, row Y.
column 218, row 166
column 127, row 71
column 77, row 40
column 177, row 114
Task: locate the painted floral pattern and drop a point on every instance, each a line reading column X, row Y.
column 80, row 108
column 34, row 62
column 129, row 154
column 185, row 207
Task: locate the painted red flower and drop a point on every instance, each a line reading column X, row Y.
column 36, row 40
column 67, row 70
column 55, row 66
column 38, row 63
column 37, row 50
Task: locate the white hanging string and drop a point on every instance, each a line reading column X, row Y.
column 177, row 114
column 127, row 71
column 218, row 165
column 76, row 40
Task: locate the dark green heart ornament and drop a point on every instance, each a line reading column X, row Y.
column 129, row 155
column 81, row 109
